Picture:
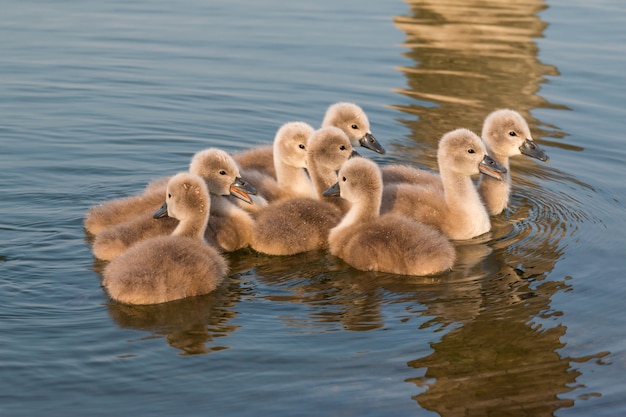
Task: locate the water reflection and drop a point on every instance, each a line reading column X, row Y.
column 471, row 58
column 193, row 325
column 501, row 357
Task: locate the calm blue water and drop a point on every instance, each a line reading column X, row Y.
column 98, row 98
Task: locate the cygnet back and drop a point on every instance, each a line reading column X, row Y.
column 119, row 210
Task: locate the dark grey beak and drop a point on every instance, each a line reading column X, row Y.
column 490, row 167
column 161, row 213
column 369, row 141
column 242, row 190
column 333, row 191
column 530, row 148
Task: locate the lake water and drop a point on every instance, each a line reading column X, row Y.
column 97, row 98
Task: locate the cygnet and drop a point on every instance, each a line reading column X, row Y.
column 297, row 225
column 289, row 156
column 506, row 134
column 229, row 226
column 456, row 209
column 348, row 117
column 351, row 118
column 167, row 268
column 389, row 243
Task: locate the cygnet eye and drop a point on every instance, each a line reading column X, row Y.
column 169, row 195
column 301, row 146
column 512, row 133
column 344, row 179
column 354, row 126
column 342, row 147
column 470, row 150
column 222, row 172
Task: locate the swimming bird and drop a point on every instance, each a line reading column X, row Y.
column 301, row 224
column 456, row 208
column 167, row 268
column 389, row 243
column 506, row 134
column 346, row 116
column 229, row 226
column 351, row 118
column 289, row 154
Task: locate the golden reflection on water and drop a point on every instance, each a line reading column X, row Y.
column 472, row 57
column 193, row 325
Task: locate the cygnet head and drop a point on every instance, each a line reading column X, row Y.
column 461, row 151
column 353, row 121
column 328, row 148
column 359, row 180
column 187, row 197
column 506, row 133
column 221, row 174
column 290, row 144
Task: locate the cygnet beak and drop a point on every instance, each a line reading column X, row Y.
column 161, row 212
column 369, row 141
column 242, row 190
column 333, row 191
column 490, row 167
column 530, row 148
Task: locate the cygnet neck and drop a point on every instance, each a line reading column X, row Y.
column 365, row 207
column 461, row 196
column 362, row 211
column 501, row 159
column 495, row 193
column 194, row 225
column 322, row 176
column 293, row 178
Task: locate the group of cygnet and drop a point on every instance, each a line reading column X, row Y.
column 310, row 190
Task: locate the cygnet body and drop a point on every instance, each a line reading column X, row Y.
column 389, row 243
column 229, row 226
column 399, row 173
column 297, row 225
column 456, row 209
column 259, row 158
column 506, row 134
column 167, row 268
